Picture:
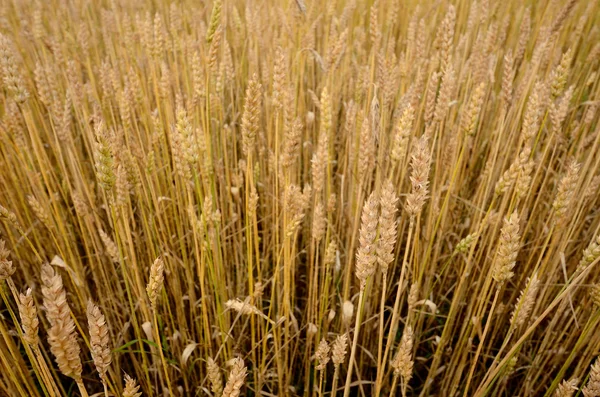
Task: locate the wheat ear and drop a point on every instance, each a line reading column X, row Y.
column 99, row 341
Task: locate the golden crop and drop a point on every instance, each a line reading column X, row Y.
column 299, row 198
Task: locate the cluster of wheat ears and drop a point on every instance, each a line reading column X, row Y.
column 299, row 198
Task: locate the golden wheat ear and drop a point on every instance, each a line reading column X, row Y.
column 99, row 339
column 155, row 281
column 592, row 388
column 29, row 318
column 131, row 387
column 62, row 336
column 567, row 388
column 403, row 363
column 7, row 268
column 214, row 374
column 235, row 382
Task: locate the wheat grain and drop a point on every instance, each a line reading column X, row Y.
column 214, row 374
column 29, row 318
column 525, row 302
column 99, row 339
column 366, row 253
column 566, row 191
column 592, row 388
column 235, row 382
column 251, row 117
column 7, row 268
column 567, row 388
column 322, row 355
column 508, row 248
column 419, row 178
column 403, row 362
column 61, row 335
column 156, row 280
column 131, row 387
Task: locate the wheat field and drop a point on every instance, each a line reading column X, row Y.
column 299, row 198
